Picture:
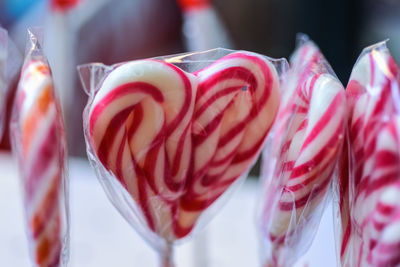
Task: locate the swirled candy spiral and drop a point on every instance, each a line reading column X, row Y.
column 308, row 136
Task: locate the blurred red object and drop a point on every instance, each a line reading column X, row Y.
column 193, row 4
column 63, row 5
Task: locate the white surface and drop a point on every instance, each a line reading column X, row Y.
column 101, row 238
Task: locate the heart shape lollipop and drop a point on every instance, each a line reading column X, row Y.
column 176, row 141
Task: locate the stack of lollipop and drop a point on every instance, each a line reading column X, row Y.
column 39, row 144
column 176, row 141
column 374, row 128
column 307, row 139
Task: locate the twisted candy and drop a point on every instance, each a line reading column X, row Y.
column 40, row 144
column 375, row 147
column 310, row 149
column 309, row 134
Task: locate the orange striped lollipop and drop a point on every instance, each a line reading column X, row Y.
column 39, row 143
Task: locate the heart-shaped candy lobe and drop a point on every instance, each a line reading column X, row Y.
column 40, row 145
column 236, row 103
column 140, row 130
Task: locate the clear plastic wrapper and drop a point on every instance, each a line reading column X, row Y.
column 300, row 159
column 38, row 142
column 370, row 227
column 170, row 136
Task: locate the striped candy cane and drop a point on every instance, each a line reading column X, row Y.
column 39, row 143
column 372, row 90
column 140, row 129
column 236, row 104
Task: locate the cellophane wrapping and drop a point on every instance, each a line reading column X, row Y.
column 170, row 137
column 369, row 189
column 300, row 158
column 38, row 143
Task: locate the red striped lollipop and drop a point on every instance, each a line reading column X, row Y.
column 39, row 143
column 310, row 135
column 236, row 104
column 373, row 93
column 176, row 152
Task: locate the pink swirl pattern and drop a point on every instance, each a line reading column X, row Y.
column 39, row 143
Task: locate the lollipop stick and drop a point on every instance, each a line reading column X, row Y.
column 166, row 257
column 200, row 245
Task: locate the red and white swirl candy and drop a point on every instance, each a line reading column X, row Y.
column 310, row 149
column 175, row 140
column 372, row 92
column 39, row 143
column 311, row 133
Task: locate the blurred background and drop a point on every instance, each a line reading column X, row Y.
column 82, row 31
